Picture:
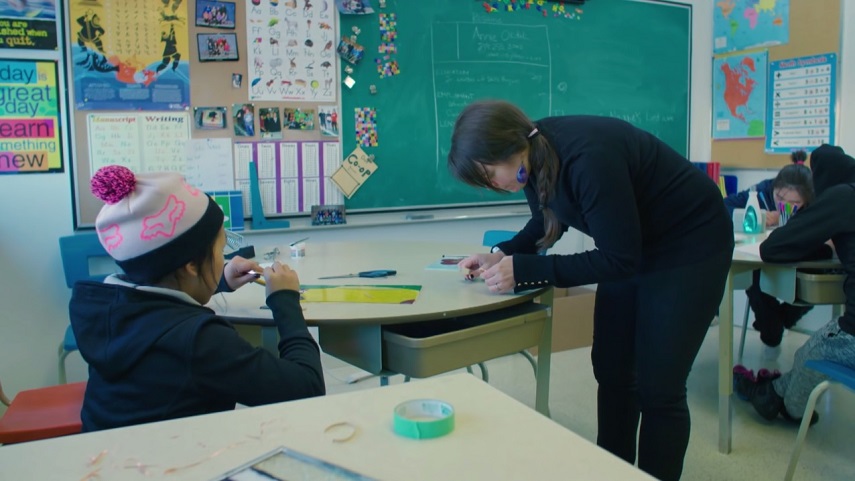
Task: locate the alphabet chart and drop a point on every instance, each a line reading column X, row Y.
column 141, row 142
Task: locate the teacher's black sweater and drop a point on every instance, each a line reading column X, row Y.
column 646, row 206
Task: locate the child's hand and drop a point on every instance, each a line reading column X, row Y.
column 281, row 277
column 772, row 218
column 237, row 272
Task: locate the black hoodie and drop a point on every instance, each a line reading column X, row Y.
column 155, row 354
column 830, row 216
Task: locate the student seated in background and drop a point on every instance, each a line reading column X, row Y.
column 792, row 185
column 805, row 237
column 154, row 351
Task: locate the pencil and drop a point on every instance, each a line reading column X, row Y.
column 304, row 239
column 763, row 200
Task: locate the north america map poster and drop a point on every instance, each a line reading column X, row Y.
column 739, row 96
column 29, row 117
column 130, row 54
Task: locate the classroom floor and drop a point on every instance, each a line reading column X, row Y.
column 761, row 450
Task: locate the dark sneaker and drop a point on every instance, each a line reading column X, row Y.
column 765, row 400
column 744, row 382
column 814, row 418
column 767, row 374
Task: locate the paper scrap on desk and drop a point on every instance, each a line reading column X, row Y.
column 750, row 249
column 446, row 263
column 354, row 171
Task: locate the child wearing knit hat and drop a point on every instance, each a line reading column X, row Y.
column 155, row 352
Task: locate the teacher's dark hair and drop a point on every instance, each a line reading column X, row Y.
column 489, row 132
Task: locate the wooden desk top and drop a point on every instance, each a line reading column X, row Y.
column 495, row 438
column 443, row 294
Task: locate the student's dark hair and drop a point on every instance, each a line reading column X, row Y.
column 796, row 176
column 488, row 132
column 203, row 257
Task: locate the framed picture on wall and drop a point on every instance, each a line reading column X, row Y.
column 210, row 118
column 215, row 47
column 215, row 14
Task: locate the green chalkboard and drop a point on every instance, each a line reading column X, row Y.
column 620, row 58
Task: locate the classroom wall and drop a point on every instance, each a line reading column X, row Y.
column 37, row 209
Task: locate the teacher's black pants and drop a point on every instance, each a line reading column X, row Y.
column 647, row 332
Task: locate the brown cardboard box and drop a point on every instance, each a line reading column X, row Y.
column 572, row 319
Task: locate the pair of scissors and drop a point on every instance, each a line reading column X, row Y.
column 371, row 274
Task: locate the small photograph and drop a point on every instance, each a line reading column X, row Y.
column 217, row 47
column 354, row 7
column 243, row 116
column 269, row 123
column 328, row 214
column 237, row 79
column 210, row 118
column 350, row 51
column 328, row 121
column 215, row 14
column 299, row 119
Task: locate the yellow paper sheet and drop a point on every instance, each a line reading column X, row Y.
column 361, row 294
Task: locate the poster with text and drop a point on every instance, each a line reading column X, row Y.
column 291, row 51
column 29, row 117
column 801, row 103
column 130, row 54
column 28, row 24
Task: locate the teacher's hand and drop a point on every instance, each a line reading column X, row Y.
column 476, row 264
column 500, row 277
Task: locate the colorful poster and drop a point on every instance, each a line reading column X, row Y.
column 29, row 117
column 739, row 96
column 130, row 54
column 28, row 24
column 291, row 51
column 744, row 24
column 801, row 103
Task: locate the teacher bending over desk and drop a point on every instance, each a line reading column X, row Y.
column 664, row 243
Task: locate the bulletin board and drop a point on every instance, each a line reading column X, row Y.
column 210, row 82
column 814, row 30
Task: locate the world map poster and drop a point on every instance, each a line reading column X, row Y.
column 739, row 96
column 744, row 24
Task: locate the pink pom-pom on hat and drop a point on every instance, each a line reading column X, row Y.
column 113, row 183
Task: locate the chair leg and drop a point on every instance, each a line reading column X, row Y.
column 531, row 360
column 744, row 330
column 485, row 376
column 800, row 439
column 62, row 354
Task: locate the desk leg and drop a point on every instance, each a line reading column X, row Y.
column 725, row 368
column 544, row 359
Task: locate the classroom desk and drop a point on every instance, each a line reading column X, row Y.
column 778, row 280
column 495, row 437
column 354, row 333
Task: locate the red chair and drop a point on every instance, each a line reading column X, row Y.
column 42, row 413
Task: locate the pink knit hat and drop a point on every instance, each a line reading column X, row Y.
column 154, row 223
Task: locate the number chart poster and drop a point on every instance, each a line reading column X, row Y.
column 130, row 54
column 29, row 117
column 292, row 51
column 28, row 24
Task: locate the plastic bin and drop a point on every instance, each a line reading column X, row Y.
column 820, row 288
column 428, row 348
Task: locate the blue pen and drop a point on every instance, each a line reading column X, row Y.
column 763, row 200
column 370, row 274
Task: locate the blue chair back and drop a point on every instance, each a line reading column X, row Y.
column 493, row 237
column 77, row 251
